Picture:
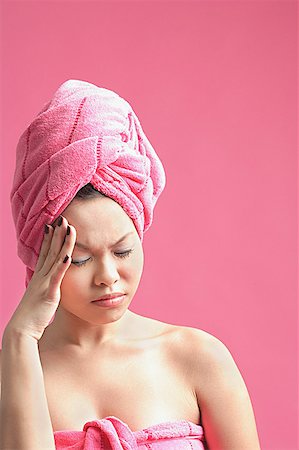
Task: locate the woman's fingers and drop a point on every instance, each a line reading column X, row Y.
column 44, row 247
column 43, row 294
column 62, row 261
column 57, row 242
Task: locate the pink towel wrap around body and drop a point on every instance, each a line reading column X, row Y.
column 112, row 433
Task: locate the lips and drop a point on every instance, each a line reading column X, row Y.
column 109, row 296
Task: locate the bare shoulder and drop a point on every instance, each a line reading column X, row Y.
column 208, row 359
column 219, row 387
column 196, row 346
column 197, row 336
column 190, row 348
column 203, row 348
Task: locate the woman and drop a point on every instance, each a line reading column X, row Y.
column 78, row 371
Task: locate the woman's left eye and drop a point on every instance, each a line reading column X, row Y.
column 124, row 254
column 120, row 255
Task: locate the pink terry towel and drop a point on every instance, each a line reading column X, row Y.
column 83, row 134
column 112, row 433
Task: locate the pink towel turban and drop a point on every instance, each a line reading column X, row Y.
column 84, row 134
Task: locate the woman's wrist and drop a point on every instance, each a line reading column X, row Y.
column 15, row 335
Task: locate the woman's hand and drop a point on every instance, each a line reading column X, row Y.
column 42, row 296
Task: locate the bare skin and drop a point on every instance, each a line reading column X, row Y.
column 141, row 373
column 97, row 361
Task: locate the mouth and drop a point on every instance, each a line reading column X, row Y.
column 112, row 301
column 109, row 297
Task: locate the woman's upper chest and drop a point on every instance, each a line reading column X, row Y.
column 142, row 383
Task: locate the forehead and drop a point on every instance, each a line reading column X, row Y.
column 98, row 221
column 83, row 246
column 100, row 210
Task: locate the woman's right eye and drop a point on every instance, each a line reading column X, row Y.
column 80, row 263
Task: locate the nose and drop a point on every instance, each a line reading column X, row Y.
column 106, row 273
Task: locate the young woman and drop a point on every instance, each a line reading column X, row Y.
column 79, row 368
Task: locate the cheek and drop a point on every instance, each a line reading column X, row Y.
column 74, row 279
column 136, row 265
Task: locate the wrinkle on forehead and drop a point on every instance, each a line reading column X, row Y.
column 99, row 222
column 86, row 247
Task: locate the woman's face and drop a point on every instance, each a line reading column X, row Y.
column 104, row 266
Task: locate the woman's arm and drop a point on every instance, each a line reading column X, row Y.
column 226, row 410
column 25, row 421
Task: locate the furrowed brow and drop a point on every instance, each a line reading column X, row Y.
column 85, row 247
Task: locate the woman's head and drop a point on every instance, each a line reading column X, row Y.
column 84, row 133
column 102, row 262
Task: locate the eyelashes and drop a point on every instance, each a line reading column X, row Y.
column 119, row 255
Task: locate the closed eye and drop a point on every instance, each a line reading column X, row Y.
column 119, row 255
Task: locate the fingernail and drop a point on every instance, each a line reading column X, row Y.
column 66, row 258
column 46, row 229
column 59, row 221
column 68, row 230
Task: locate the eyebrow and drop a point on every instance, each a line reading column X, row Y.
column 85, row 247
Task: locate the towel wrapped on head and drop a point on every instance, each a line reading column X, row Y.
column 84, row 134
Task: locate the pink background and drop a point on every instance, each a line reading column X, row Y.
column 214, row 85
